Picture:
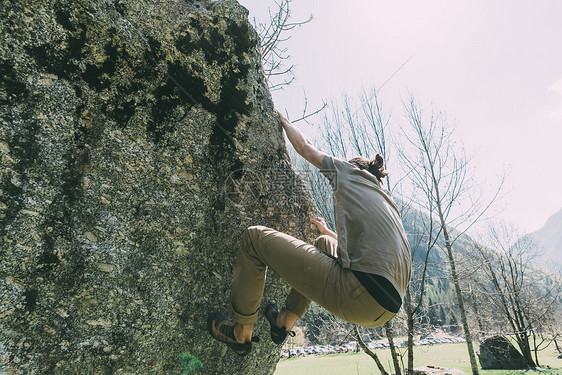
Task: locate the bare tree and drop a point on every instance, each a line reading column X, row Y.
column 357, row 128
column 276, row 61
column 369, row 352
column 424, row 239
column 273, row 34
column 477, row 312
column 440, row 173
column 526, row 297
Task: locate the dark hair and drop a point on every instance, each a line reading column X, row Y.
column 375, row 166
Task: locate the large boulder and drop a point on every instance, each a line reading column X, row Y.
column 497, row 352
column 137, row 141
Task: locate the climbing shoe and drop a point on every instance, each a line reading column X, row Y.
column 222, row 329
column 278, row 334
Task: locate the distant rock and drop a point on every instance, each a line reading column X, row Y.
column 137, row 140
column 498, row 353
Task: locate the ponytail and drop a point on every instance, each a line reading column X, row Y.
column 375, row 166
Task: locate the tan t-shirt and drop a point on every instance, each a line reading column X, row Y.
column 371, row 237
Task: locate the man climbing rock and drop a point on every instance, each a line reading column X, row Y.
column 360, row 274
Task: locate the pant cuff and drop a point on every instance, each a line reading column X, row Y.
column 242, row 319
column 298, row 308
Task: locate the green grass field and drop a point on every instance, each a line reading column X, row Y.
column 444, row 355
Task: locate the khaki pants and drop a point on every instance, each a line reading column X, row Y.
column 312, row 271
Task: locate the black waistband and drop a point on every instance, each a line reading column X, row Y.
column 381, row 290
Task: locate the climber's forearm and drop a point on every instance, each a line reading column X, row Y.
column 302, row 145
column 297, row 139
column 331, row 234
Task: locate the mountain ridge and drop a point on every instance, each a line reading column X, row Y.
column 550, row 236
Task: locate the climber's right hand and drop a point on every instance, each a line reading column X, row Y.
column 321, row 225
column 284, row 121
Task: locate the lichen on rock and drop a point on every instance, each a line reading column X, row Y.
column 137, row 140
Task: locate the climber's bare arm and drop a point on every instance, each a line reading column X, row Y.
column 323, row 227
column 302, row 145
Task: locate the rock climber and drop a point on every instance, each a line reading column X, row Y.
column 359, row 274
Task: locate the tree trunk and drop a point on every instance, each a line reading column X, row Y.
column 523, row 335
column 557, row 347
column 388, row 331
column 468, row 337
column 477, row 314
column 369, row 351
column 525, row 347
column 410, row 318
column 535, row 350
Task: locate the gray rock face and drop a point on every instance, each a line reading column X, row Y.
column 498, row 353
column 137, row 140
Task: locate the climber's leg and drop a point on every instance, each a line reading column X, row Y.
column 296, row 304
column 305, row 267
column 249, row 275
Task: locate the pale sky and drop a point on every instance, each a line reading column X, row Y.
column 494, row 67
